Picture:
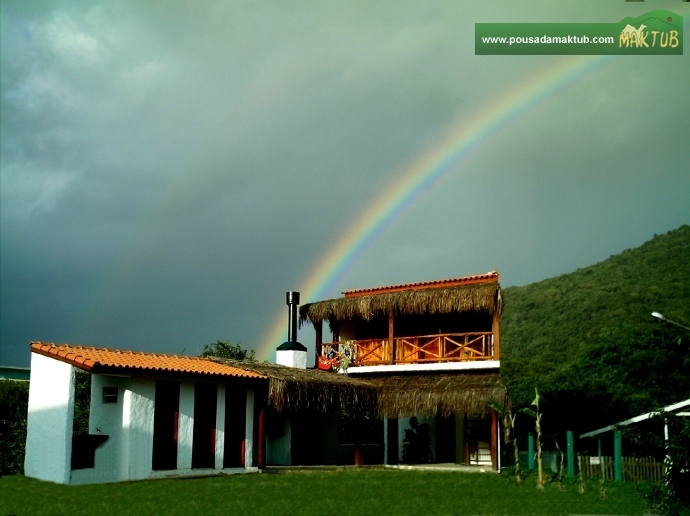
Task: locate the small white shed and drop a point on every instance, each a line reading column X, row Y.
column 151, row 416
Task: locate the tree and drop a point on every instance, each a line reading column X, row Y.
column 223, row 349
column 14, row 401
column 509, row 428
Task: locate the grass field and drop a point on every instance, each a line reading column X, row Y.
column 346, row 491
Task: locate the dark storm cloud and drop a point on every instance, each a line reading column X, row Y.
column 168, row 171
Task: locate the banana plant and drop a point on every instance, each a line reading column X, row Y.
column 508, row 416
column 537, row 426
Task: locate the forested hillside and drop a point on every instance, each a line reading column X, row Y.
column 588, row 341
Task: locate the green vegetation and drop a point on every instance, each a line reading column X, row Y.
column 345, row 491
column 82, row 402
column 588, row 342
column 223, row 349
column 14, row 400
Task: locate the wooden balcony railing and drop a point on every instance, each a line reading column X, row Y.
column 447, row 347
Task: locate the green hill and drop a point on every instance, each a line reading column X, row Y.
column 588, row 341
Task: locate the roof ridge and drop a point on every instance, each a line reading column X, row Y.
column 490, row 276
column 106, row 360
column 115, row 350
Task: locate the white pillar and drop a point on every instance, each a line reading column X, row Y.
column 498, row 442
column 137, row 410
column 185, row 426
column 220, row 427
column 249, row 430
column 49, row 421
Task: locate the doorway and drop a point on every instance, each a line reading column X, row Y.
column 235, row 426
column 204, row 440
column 165, row 420
column 445, row 439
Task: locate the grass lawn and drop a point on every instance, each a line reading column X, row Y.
column 345, row 491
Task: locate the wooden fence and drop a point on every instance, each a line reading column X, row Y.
column 635, row 469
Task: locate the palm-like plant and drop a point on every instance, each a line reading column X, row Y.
column 537, row 426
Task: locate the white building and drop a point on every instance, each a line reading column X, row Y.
column 151, row 416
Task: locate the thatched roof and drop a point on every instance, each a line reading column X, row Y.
column 293, row 390
column 444, row 394
column 482, row 297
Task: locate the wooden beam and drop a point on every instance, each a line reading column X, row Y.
column 391, row 340
column 496, row 330
column 494, row 439
column 358, row 444
column 261, row 433
column 318, row 327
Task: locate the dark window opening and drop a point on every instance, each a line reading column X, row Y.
column 368, row 429
column 110, row 394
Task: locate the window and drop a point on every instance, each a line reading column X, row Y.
column 109, row 394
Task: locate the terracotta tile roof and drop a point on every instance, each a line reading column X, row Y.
column 115, row 360
column 489, row 277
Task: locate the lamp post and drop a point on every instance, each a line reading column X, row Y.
column 661, row 317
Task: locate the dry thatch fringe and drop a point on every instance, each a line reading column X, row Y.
column 294, row 390
column 444, row 394
column 482, row 297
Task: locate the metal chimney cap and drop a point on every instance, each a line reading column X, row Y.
column 292, row 297
column 291, row 346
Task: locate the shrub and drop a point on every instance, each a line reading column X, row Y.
column 14, row 401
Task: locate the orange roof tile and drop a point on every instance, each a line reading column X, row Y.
column 101, row 359
column 489, row 277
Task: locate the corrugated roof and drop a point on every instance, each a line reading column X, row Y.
column 488, row 277
column 103, row 359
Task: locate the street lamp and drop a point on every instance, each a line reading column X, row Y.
column 661, row 316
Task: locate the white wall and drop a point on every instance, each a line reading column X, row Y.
column 137, row 424
column 185, row 426
column 292, row 358
column 111, row 461
column 49, row 421
column 279, row 449
column 128, row 452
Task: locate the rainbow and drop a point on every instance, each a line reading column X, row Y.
column 445, row 156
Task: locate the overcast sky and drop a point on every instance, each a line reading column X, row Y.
column 169, row 170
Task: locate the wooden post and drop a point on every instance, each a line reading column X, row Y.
column 391, row 339
column 496, row 331
column 318, row 327
column 336, row 332
column 358, row 444
column 530, row 450
column 494, row 440
column 618, row 456
column 261, row 434
column 571, row 453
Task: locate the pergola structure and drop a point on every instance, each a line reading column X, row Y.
column 682, row 409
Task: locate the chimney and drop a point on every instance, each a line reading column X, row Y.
column 291, row 353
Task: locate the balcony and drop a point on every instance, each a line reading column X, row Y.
column 423, row 349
